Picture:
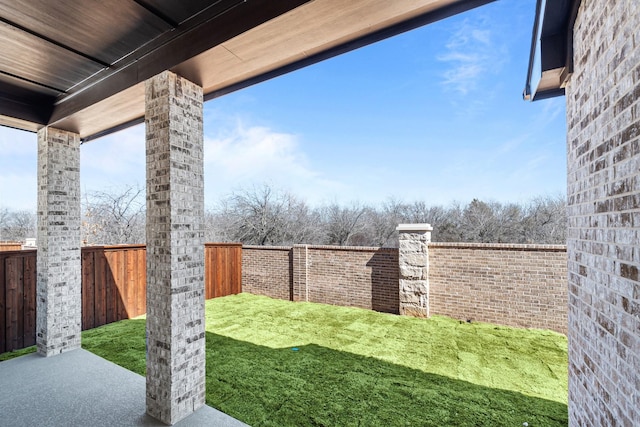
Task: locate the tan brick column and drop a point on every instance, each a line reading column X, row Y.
column 59, row 300
column 175, row 248
column 413, row 259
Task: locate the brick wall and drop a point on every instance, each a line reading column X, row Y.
column 517, row 285
column 352, row 276
column 603, row 147
column 267, row 270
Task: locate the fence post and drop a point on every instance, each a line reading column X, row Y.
column 413, row 259
column 300, row 254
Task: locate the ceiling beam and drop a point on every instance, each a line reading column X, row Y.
column 54, row 42
column 214, row 29
column 157, row 13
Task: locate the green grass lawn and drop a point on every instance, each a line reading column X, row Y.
column 278, row 363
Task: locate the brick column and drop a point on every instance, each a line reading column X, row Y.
column 175, row 248
column 413, row 258
column 299, row 272
column 59, row 300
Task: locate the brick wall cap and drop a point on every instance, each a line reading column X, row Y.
column 414, row 227
column 273, row 248
column 513, row 246
column 346, row 248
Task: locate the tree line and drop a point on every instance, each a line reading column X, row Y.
column 268, row 216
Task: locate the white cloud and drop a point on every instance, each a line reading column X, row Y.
column 471, row 54
column 252, row 155
column 255, row 152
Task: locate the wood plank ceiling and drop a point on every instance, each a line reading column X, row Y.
column 81, row 65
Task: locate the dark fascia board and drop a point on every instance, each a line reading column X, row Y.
column 240, row 18
column 34, row 112
column 556, row 43
column 411, row 24
column 19, row 102
column 402, row 27
column 114, row 129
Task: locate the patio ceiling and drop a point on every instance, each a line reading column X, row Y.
column 80, row 66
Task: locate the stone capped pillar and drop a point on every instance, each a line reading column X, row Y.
column 175, row 248
column 413, row 257
column 59, row 292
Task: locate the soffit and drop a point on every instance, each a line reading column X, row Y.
column 83, row 68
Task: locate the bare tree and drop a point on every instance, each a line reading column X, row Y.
column 267, row 216
column 545, row 220
column 114, row 217
column 17, row 225
column 343, row 223
column 263, row 216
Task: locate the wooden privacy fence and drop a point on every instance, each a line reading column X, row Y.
column 113, row 286
column 222, row 269
column 10, row 246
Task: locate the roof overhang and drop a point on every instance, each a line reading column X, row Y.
column 551, row 55
column 83, row 69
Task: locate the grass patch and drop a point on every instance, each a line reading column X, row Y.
column 17, row 353
column 277, row 363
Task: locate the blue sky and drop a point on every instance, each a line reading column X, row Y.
column 435, row 114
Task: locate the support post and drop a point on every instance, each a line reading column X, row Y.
column 59, row 292
column 175, row 248
column 413, row 258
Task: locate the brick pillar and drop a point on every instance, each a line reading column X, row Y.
column 59, row 300
column 175, row 248
column 413, row 258
column 299, row 272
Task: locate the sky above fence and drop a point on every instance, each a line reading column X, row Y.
column 435, row 114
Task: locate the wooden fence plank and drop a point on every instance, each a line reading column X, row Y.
column 208, row 272
column 142, row 282
column 100, row 294
column 3, row 304
column 130, row 278
column 88, row 289
column 13, row 319
column 110, row 288
column 29, row 299
column 117, row 268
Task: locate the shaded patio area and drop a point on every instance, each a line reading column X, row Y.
column 78, row 388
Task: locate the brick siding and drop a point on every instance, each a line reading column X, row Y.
column 603, row 189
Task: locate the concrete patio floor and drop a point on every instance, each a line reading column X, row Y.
column 78, row 388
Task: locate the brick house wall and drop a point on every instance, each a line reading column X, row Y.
column 516, row 285
column 603, row 147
